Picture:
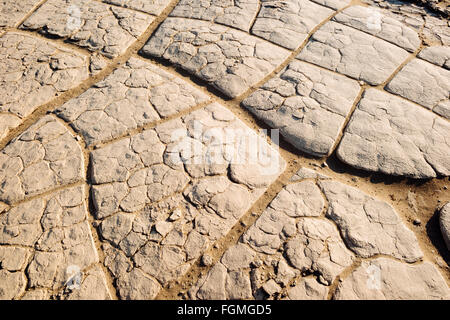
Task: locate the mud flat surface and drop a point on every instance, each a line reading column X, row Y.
column 182, row 149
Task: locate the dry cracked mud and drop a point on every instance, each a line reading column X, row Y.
column 203, row 149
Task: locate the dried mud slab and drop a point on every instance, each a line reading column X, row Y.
column 165, row 195
column 390, row 135
column 42, row 242
column 353, row 53
column 133, row 95
column 237, row 14
column 33, row 71
column 424, row 83
column 93, row 25
column 307, row 104
column 93, row 286
column 438, row 55
column 369, row 20
column 432, row 26
column 8, row 122
column 369, row 226
column 13, row 11
column 288, row 23
column 43, row 157
column 230, row 60
column 308, row 289
column 295, row 250
column 386, row 279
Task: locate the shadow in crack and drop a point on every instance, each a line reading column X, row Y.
column 435, row 8
column 186, row 74
column 338, row 166
column 434, row 233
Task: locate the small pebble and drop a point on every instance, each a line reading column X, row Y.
column 176, row 214
column 417, row 222
column 207, row 260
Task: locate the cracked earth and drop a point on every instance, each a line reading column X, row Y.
column 202, row 149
